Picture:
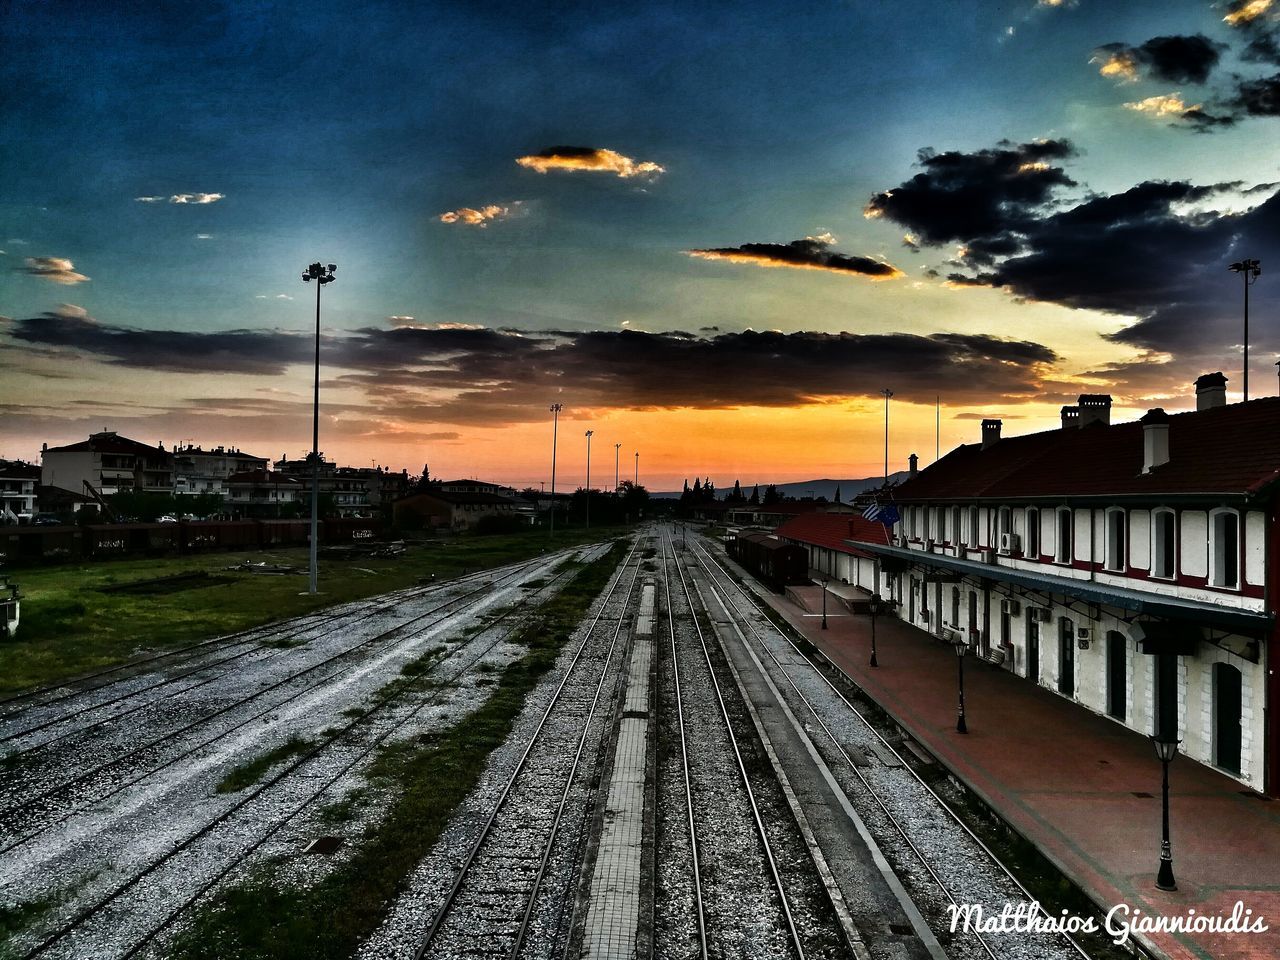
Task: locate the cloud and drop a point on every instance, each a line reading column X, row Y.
column 400, row 321
column 811, row 253
column 56, row 269
column 1174, row 59
column 204, row 236
column 590, row 159
column 1243, row 12
column 199, row 198
column 1257, row 98
column 483, row 216
column 1161, row 106
column 987, row 193
column 483, row 376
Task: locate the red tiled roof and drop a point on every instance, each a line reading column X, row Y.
column 1232, row 449
column 831, row 530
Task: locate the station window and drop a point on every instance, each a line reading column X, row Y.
column 1164, row 544
column 1062, row 552
column 1032, row 547
column 973, row 526
column 1115, row 559
column 1224, row 548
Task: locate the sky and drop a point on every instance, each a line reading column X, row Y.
column 714, row 232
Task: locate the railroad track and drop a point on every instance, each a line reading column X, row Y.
column 118, row 771
column 793, row 937
column 188, row 860
column 800, row 675
column 253, row 641
column 489, row 907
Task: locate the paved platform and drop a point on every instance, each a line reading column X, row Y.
column 1083, row 788
column 613, row 916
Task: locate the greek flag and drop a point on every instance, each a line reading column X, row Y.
column 882, row 513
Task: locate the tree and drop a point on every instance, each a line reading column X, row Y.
column 755, row 494
column 771, row 495
column 837, row 493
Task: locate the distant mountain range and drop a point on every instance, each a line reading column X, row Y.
column 803, row 489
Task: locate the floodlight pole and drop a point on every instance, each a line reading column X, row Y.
column 589, row 433
column 555, row 426
column 887, row 394
column 321, row 276
column 617, row 452
column 1251, row 269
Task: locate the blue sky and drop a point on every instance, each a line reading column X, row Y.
column 344, row 135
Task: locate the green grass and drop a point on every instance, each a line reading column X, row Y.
column 426, row 779
column 247, row 774
column 70, row 628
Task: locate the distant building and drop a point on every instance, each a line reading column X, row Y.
column 347, row 487
column 456, row 511
column 1133, row 568
column 262, row 494
column 18, row 482
column 775, row 514
column 476, row 486
column 105, row 464
column 197, row 471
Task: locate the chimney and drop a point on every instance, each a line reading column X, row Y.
column 1155, row 439
column 1095, row 408
column 1211, row 391
column 913, row 465
column 990, row 432
column 1070, row 417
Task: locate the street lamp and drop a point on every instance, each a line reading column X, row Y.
column 962, row 647
column 1251, row 270
column 887, row 394
column 555, row 426
column 1166, row 750
column 617, row 452
column 824, row 603
column 874, row 608
column 637, row 468
column 321, row 276
column 589, row 433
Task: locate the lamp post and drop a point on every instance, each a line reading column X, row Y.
column 961, row 647
column 617, row 452
column 887, row 394
column 1251, row 270
column 637, row 468
column 555, row 426
column 589, row 433
column 321, row 276
column 824, row 603
column 874, row 608
column 1166, row 750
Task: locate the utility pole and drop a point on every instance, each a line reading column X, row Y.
column 637, row 468
column 617, row 452
column 589, row 432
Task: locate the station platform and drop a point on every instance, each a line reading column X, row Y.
column 1084, row 789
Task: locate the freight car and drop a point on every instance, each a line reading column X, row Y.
column 29, row 545
column 773, row 562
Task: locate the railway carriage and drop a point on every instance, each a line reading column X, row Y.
column 772, row 561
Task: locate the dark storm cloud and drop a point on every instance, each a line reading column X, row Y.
column 811, row 253
column 1257, row 98
column 1175, row 59
column 239, row 351
column 1156, row 253
column 988, row 194
column 486, row 377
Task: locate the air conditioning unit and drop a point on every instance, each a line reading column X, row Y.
column 949, row 635
column 1011, row 607
column 928, row 544
column 1084, row 635
column 1039, row 614
column 988, row 555
column 1010, row 543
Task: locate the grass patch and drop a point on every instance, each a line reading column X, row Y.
column 247, row 774
column 15, row 919
column 426, row 779
column 70, row 627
